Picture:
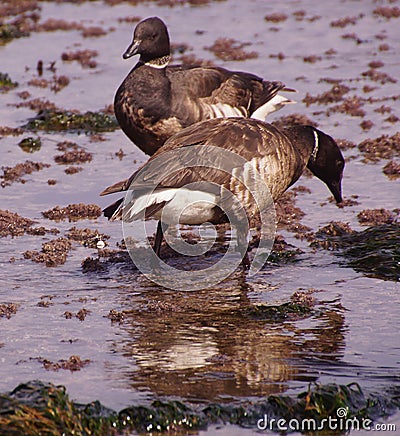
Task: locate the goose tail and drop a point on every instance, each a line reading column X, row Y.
column 277, row 102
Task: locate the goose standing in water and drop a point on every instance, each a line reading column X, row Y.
column 156, row 101
column 177, row 182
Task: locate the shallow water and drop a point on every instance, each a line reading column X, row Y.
column 199, row 347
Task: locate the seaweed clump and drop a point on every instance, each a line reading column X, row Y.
column 30, row 145
column 334, row 95
column 53, row 253
column 387, row 12
column 229, row 49
column 73, row 212
column 87, row 237
column 374, row 251
column 282, row 251
column 12, row 224
column 84, row 57
column 75, row 156
column 383, row 147
column 300, row 305
column 8, row 309
column 392, row 170
column 6, row 83
column 42, row 408
column 73, row 363
column 58, row 120
column 15, row 173
column 9, row 31
column 105, row 259
column 371, row 217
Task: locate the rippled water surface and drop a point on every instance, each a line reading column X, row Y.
column 199, row 346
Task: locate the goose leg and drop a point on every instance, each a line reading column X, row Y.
column 246, row 262
column 155, row 264
column 243, row 249
column 158, row 239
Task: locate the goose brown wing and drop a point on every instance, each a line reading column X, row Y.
column 176, row 164
column 213, row 85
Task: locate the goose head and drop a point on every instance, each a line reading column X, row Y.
column 150, row 40
column 327, row 163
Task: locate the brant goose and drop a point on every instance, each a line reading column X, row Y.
column 279, row 157
column 155, row 100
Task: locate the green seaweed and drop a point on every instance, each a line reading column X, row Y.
column 43, row 408
column 284, row 256
column 57, row 120
column 301, row 305
column 374, row 251
column 277, row 313
column 283, row 252
column 30, row 145
column 10, row 31
column 6, row 83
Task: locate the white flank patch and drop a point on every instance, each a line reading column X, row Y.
column 270, row 106
column 134, row 208
column 223, row 110
column 182, row 206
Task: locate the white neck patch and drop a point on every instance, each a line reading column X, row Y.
column 316, row 146
column 159, row 63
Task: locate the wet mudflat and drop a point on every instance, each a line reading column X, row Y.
column 323, row 310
